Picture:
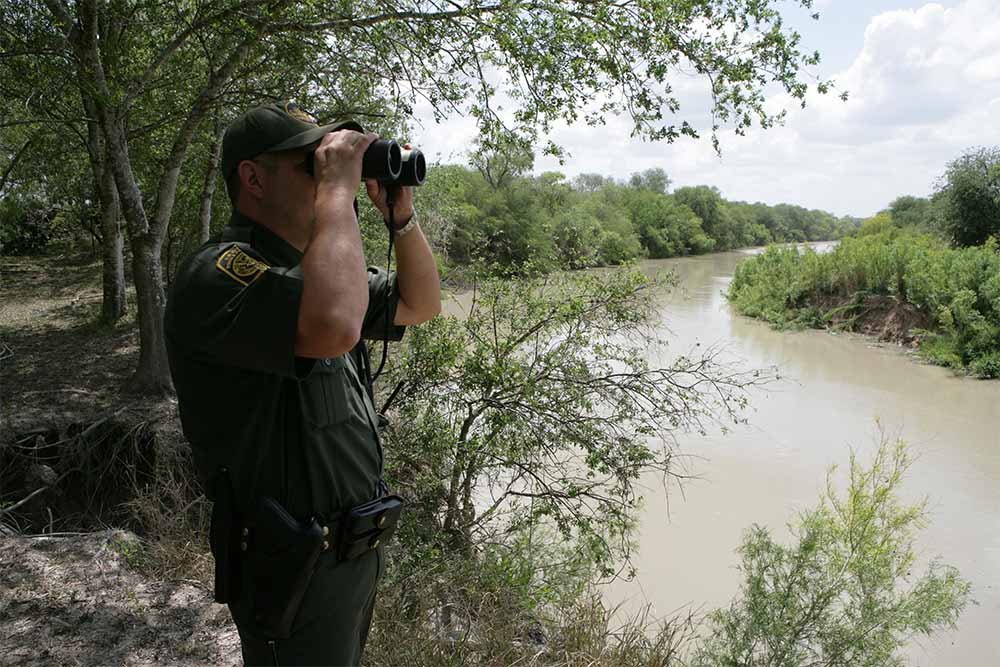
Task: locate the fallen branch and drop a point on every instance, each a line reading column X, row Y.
column 23, row 500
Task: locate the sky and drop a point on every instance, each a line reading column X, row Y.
column 923, row 81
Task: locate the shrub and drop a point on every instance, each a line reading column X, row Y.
column 26, row 227
column 846, row 591
column 959, row 290
column 986, row 366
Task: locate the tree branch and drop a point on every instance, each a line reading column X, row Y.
column 350, row 22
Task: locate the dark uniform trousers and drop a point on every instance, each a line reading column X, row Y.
column 332, row 624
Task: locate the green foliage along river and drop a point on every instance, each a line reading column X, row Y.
column 912, row 286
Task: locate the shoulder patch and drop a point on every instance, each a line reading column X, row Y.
column 240, row 266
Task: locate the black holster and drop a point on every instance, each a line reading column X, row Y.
column 280, row 553
column 224, row 538
column 281, row 557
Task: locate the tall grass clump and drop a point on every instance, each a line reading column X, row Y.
column 956, row 290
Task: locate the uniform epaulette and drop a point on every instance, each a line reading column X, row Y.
column 240, row 266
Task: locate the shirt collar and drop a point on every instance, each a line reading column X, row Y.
column 269, row 244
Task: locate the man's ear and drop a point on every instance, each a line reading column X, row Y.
column 252, row 178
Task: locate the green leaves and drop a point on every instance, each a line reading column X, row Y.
column 844, row 592
column 549, row 407
column 970, row 193
column 958, row 291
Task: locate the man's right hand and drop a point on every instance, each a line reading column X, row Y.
column 338, row 159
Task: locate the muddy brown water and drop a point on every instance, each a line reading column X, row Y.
column 838, row 391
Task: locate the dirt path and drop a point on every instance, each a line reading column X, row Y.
column 74, row 601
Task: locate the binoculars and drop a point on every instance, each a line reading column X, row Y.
column 386, row 162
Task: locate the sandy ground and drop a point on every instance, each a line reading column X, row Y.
column 73, row 600
column 76, row 599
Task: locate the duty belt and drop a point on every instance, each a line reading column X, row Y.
column 278, row 542
column 346, row 535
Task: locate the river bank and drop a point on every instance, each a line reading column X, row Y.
column 75, row 599
column 838, row 393
column 899, row 286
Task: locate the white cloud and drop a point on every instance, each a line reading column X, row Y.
column 924, row 87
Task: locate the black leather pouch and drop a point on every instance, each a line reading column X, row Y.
column 368, row 525
column 281, row 558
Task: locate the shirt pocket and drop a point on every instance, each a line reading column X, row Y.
column 324, row 393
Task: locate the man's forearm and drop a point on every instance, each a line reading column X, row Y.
column 419, row 282
column 335, row 288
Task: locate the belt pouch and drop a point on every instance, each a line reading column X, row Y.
column 368, row 525
column 281, row 558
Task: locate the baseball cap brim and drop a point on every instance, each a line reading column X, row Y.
column 313, row 136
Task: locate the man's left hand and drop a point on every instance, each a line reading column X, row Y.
column 402, row 208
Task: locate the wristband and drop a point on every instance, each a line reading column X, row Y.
column 408, row 227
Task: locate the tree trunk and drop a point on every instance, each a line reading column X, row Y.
column 114, row 304
column 211, row 178
column 153, row 373
column 146, row 233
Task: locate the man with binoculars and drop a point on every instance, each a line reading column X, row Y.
column 265, row 327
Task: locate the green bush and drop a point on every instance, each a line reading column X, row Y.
column 986, row 366
column 957, row 289
column 618, row 249
column 26, row 227
column 846, row 592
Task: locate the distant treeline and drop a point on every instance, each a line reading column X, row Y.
column 937, row 258
column 549, row 222
column 514, row 222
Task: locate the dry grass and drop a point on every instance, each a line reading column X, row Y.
column 458, row 612
column 65, row 374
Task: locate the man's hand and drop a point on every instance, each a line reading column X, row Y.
column 402, row 208
column 338, row 159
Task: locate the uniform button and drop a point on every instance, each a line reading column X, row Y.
column 326, row 545
column 326, row 531
column 375, row 545
column 327, row 362
column 381, row 521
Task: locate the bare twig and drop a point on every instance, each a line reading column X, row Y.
column 8, row 510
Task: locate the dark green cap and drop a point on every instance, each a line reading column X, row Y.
column 273, row 127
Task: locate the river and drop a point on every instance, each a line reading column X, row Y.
column 834, row 392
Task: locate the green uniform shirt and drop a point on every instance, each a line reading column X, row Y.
column 302, row 431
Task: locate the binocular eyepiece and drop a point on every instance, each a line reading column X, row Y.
column 386, row 162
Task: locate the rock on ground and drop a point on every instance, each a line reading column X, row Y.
column 73, row 600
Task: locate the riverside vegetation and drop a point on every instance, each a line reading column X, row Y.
column 113, row 116
column 518, row 436
column 929, row 269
